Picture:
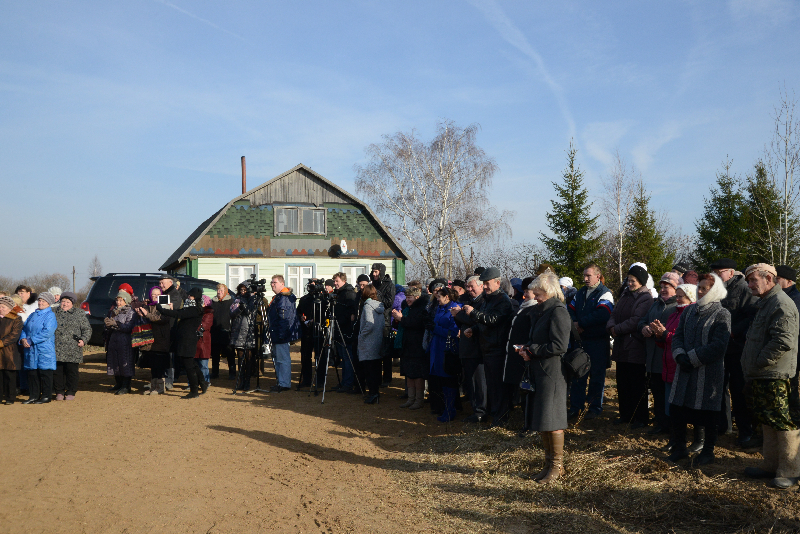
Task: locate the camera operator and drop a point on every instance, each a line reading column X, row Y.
column 346, row 311
column 313, row 309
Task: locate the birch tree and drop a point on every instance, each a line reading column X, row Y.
column 434, row 196
column 617, row 204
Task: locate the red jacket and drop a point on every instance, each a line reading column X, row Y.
column 204, row 343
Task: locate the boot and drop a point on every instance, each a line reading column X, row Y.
column 679, row 451
column 699, row 440
column 412, row 397
column 201, row 381
column 419, row 402
column 193, row 385
column 706, row 456
column 548, row 456
column 126, row 386
column 770, row 453
column 449, row 412
column 152, row 390
column 161, row 386
column 117, row 384
column 788, row 471
column 557, row 458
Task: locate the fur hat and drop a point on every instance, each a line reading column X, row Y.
column 690, row 290
column 124, row 295
column 638, row 272
column 55, row 290
column 413, row 292
column 672, row 279
column 786, row 272
column 723, row 263
column 48, row 297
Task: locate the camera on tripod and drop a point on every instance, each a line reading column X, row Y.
column 257, row 286
column 316, row 288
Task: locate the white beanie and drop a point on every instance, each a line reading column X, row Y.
column 55, row 290
column 690, row 290
column 565, row 281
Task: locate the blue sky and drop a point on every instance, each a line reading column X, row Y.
column 122, row 124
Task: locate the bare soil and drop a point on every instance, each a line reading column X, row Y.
column 284, row 462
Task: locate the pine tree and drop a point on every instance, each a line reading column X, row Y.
column 646, row 241
column 575, row 242
column 765, row 243
column 722, row 231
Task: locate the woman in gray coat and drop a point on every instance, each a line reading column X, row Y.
column 698, row 347
column 370, row 341
column 72, row 334
column 549, row 340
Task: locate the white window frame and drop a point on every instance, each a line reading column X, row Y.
column 347, row 268
column 240, row 266
column 302, row 280
column 300, row 227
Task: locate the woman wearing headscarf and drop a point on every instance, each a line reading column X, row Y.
column 413, row 361
column 10, row 361
column 72, row 334
column 156, row 355
column 188, row 330
column 629, row 349
column 370, row 341
column 119, row 323
column 221, row 333
column 203, row 351
column 548, row 341
column 444, row 340
column 698, row 347
column 38, row 339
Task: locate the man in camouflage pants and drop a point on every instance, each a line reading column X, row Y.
column 769, row 360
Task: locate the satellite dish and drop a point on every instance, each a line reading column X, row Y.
column 335, row 251
column 344, row 246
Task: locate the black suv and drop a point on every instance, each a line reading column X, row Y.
column 104, row 291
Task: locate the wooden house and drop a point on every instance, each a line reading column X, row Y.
column 300, row 225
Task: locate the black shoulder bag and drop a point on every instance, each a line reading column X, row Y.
column 576, row 361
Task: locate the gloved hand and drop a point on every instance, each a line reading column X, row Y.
column 109, row 322
column 684, row 362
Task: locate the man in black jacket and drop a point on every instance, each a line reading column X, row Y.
column 741, row 303
column 492, row 323
column 383, row 283
column 346, row 310
column 176, row 297
column 469, row 350
column 787, row 278
column 309, row 340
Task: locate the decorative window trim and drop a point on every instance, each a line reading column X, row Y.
column 301, row 230
column 238, row 264
column 300, row 290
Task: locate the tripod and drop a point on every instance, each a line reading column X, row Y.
column 260, row 329
column 328, row 326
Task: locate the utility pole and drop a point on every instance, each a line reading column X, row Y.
column 73, row 279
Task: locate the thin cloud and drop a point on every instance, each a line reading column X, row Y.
column 514, row 36
column 201, row 19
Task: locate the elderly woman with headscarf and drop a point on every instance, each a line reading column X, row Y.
column 698, row 347
column 156, row 355
column 191, row 318
column 413, row 362
column 38, row 339
column 10, row 361
column 72, row 334
column 119, row 323
column 629, row 350
column 203, row 351
column 548, row 341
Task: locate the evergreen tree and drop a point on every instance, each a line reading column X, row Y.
column 722, row 231
column 767, row 211
column 646, row 241
column 575, row 242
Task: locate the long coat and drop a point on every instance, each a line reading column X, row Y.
column 40, row 331
column 413, row 359
column 71, row 324
column 10, row 330
column 370, row 333
column 445, row 338
column 203, row 350
column 190, row 318
column 628, row 341
column 660, row 309
column 520, row 333
column 119, row 352
column 548, row 342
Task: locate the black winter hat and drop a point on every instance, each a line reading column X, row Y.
column 723, row 263
column 786, row 272
column 458, row 283
column 329, row 283
column 490, row 274
column 363, row 278
column 436, row 283
column 479, row 270
column 681, row 267
column 639, row 273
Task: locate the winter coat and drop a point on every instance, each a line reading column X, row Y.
column 665, row 342
column 493, row 321
column 190, row 316
column 282, row 315
column 40, row 331
column 346, row 306
column 10, row 330
column 221, row 327
column 628, row 341
column 176, row 297
column 742, row 305
column 548, row 342
column 119, row 353
column 160, row 327
column 386, row 290
column 591, row 311
column 243, row 323
column 703, row 334
column 661, row 310
column 203, row 350
column 370, row 332
column 72, row 324
column 771, row 348
column 519, row 334
column 414, row 323
column 445, row 338
column 468, row 347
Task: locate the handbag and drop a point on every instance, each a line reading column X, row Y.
column 142, row 336
column 576, row 361
column 526, row 384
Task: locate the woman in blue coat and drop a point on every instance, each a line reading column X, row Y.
column 444, row 340
column 38, row 340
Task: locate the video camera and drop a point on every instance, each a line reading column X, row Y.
column 257, row 286
column 316, row 288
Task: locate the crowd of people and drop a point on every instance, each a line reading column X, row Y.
column 715, row 350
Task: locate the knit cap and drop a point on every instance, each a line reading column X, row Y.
column 55, row 290
column 672, row 279
column 69, row 295
column 8, row 301
column 124, row 295
column 690, row 290
column 765, row 267
column 565, row 281
column 48, row 297
column 638, row 272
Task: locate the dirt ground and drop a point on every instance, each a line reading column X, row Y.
column 284, row 462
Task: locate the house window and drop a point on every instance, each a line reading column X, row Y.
column 238, row 274
column 300, row 221
column 352, row 272
column 297, row 277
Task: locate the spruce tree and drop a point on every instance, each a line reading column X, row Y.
column 646, row 241
column 575, row 241
column 722, row 231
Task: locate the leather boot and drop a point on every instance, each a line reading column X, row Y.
column 419, row 402
column 548, row 456
column 201, row 381
column 126, row 386
column 788, row 472
column 193, row 385
column 699, row 440
column 678, row 451
column 706, row 455
column 557, row 461
column 769, row 451
column 412, row 397
column 117, row 384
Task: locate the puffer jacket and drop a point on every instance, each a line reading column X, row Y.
column 770, row 351
column 10, row 330
column 282, row 315
column 370, row 333
column 628, row 341
column 72, row 327
column 493, row 321
column 661, row 310
column 40, row 331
